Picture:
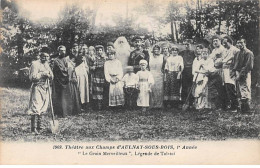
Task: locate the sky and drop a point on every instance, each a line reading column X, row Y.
column 38, row 9
column 50, row 8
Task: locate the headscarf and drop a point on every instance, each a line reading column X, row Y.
column 143, row 62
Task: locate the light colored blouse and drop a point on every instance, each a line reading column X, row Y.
column 174, row 63
column 37, row 70
column 113, row 68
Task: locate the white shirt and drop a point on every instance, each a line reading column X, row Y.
column 130, row 80
column 227, row 60
column 174, row 63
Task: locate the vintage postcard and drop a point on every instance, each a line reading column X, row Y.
column 129, row 82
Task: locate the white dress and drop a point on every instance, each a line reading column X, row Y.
column 39, row 98
column 145, row 80
column 82, row 78
column 157, row 89
column 113, row 71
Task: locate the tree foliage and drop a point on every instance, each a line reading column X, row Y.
column 21, row 38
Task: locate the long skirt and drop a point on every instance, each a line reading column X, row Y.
column 98, row 82
column 143, row 97
column 83, row 88
column 116, row 94
column 172, row 87
column 74, row 91
column 157, row 90
column 39, row 99
column 61, row 100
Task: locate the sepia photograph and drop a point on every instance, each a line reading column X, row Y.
column 77, row 72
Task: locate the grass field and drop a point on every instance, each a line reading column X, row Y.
column 126, row 125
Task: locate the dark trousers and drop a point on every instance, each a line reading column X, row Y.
column 231, row 95
column 131, row 95
column 186, row 85
column 106, row 95
column 217, row 92
column 61, row 101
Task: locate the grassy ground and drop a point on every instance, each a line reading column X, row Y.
column 155, row 125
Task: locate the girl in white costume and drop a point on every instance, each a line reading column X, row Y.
column 145, row 83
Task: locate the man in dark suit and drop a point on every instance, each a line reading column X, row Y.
column 138, row 54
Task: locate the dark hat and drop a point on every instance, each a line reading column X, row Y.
column 156, row 47
column 44, row 54
column 74, row 45
column 45, row 50
column 99, row 46
column 110, row 44
column 137, row 38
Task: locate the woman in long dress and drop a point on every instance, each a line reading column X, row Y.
column 73, row 84
column 156, row 62
column 82, row 71
column 98, row 77
column 145, row 84
column 91, row 57
column 173, row 69
column 113, row 74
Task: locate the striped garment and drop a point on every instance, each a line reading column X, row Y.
column 172, row 87
column 98, row 79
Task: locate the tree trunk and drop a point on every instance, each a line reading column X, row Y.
column 219, row 19
column 176, row 32
column 172, row 31
column 20, row 44
column 95, row 10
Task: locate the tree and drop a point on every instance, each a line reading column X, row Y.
column 73, row 25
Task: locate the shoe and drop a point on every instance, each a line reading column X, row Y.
column 39, row 124
column 33, row 125
column 245, row 108
column 233, row 109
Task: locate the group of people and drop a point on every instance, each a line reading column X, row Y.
column 92, row 77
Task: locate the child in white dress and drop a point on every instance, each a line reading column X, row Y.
column 145, row 82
